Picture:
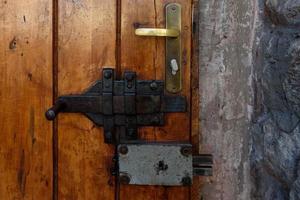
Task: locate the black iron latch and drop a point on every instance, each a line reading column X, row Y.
column 120, row 106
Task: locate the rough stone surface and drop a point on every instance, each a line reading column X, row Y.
column 275, row 132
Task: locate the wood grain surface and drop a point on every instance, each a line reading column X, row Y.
column 146, row 56
column 52, row 48
column 86, row 43
column 25, row 93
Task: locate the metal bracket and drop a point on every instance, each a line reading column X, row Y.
column 120, row 106
column 173, row 49
column 161, row 164
column 173, row 45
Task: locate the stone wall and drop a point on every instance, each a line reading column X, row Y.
column 275, row 151
column 250, row 98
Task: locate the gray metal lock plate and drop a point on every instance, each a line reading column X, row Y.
column 156, row 164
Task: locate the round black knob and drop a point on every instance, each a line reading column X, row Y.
column 50, row 114
column 53, row 112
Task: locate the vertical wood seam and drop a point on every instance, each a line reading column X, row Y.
column 194, row 64
column 118, row 74
column 55, row 94
column 118, row 38
column 156, row 39
column 195, row 100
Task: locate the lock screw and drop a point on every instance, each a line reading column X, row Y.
column 186, row 181
column 186, row 151
column 155, row 120
column 129, row 77
column 131, row 132
column 123, row 149
column 107, row 75
column 129, row 85
column 124, row 179
column 153, row 85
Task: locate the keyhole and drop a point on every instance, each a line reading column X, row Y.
column 161, row 166
column 174, row 67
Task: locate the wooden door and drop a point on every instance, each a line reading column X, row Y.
column 67, row 43
column 25, row 92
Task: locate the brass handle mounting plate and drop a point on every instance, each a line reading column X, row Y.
column 172, row 32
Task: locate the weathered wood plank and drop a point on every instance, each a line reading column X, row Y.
column 86, row 43
column 195, row 94
column 25, row 93
column 146, row 56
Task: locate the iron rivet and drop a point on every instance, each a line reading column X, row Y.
column 113, row 172
column 124, row 179
column 123, row 149
column 114, row 159
column 129, row 85
column 131, row 132
column 186, row 151
column 186, row 181
column 155, row 120
column 107, row 75
column 153, row 85
column 129, row 77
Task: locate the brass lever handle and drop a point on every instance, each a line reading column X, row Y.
column 160, row 32
column 172, row 32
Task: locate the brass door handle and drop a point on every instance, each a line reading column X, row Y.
column 172, row 32
column 160, row 32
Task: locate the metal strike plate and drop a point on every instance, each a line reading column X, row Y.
column 173, row 49
column 156, row 164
